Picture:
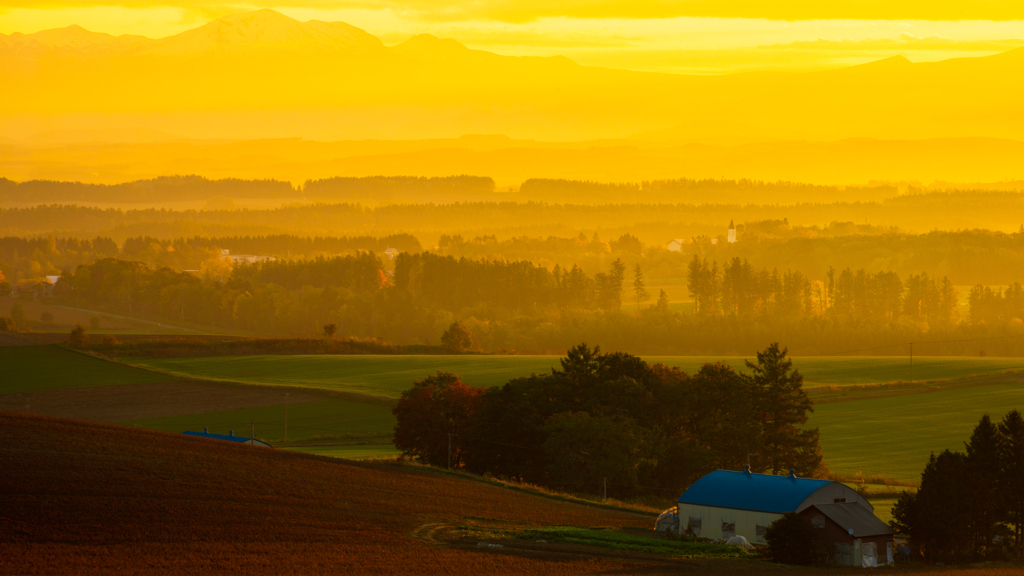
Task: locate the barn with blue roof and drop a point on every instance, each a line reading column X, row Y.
column 229, row 437
column 726, row 503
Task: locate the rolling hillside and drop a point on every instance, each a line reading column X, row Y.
column 80, row 498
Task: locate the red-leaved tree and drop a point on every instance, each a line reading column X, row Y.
column 427, row 413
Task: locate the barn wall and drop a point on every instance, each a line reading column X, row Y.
column 830, row 492
column 846, row 549
column 746, row 521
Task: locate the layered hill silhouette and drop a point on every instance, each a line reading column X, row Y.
column 263, row 74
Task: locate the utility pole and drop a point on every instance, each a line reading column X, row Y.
column 606, row 488
column 450, row 434
column 252, row 433
column 911, row 362
column 285, row 416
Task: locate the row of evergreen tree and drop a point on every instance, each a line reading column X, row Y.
column 615, row 419
column 741, row 289
column 971, row 504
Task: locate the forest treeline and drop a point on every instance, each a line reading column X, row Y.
column 162, row 189
column 653, row 224
column 612, row 422
column 966, row 258
column 28, row 259
column 367, row 190
column 693, row 191
column 524, row 307
column 377, row 190
column 399, row 189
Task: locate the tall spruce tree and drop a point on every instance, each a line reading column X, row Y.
column 985, row 498
column 1011, row 449
column 639, row 288
column 942, row 522
column 781, row 407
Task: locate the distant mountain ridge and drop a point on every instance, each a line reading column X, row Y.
column 252, row 33
column 264, row 75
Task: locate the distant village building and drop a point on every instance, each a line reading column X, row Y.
column 246, row 258
column 732, row 232
column 391, row 253
column 725, row 503
column 675, row 245
column 35, row 288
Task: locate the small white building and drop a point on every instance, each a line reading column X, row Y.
column 675, row 245
column 391, row 252
column 246, row 258
column 732, row 232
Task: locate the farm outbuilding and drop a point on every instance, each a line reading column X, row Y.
column 229, row 437
column 727, row 503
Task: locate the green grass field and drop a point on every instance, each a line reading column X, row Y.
column 38, row 368
column 334, row 418
column 385, row 376
column 388, row 376
column 894, row 436
column 891, row 436
column 883, row 508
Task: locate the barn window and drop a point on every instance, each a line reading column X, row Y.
column 818, row 521
column 694, row 525
column 760, row 531
column 728, row 529
column 838, row 500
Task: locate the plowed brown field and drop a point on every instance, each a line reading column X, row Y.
column 86, row 498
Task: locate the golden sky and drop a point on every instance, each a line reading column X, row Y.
column 697, row 36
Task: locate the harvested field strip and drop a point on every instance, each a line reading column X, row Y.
column 632, row 542
column 329, row 418
column 38, row 368
column 894, row 436
column 82, row 498
column 389, row 375
column 130, row 402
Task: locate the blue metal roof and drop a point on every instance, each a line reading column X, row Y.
column 747, row 491
column 229, row 437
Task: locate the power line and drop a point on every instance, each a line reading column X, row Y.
column 900, row 344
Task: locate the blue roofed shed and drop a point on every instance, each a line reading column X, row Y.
column 229, row 437
column 748, row 491
column 726, row 503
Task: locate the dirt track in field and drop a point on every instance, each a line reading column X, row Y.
column 126, row 402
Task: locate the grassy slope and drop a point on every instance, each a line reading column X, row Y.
column 362, row 452
column 389, row 375
column 893, row 436
column 336, row 418
column 37, row 368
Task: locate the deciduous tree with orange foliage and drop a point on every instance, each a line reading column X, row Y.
column 427, row 413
